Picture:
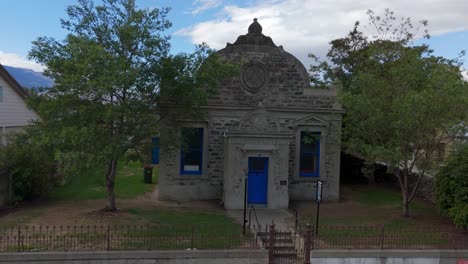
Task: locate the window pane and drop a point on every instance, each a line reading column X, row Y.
column 191, row 150
column 308, row 163
column 309, row 154
column 257, row 164
column 192, row 137
column 310, row 141
column 192, row 161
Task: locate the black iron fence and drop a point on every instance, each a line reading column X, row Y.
column 285, row 244
column 388, row 237
column 89, row 238
column 294, row 247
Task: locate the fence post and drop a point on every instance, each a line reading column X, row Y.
column 382, row 235
column 271, row 244
column 19, row 238
column 191, row 239
column 108, row 238
column 307, row 244
column 295, row 222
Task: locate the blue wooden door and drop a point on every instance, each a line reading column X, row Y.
column 155, row 151
column 257, row 183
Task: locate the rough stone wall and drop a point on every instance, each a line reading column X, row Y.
column 304, row 188
column 240, row 148
column 140, row 257
column 194, row 187
column 284, row 103
column 287, row 79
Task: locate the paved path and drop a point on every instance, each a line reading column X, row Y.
column 282, row 218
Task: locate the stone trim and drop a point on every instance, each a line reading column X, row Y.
column 388, row 253
column 129, row 255
column 275, row 109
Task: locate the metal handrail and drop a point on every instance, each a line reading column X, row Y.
column 256, row 218
column 296, row 221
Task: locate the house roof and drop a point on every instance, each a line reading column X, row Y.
column 12, row 82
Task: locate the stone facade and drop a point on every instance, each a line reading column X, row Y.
column 259, row 113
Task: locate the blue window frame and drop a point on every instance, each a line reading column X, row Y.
column 309, row 161
column 155, row 151
column 191, row 152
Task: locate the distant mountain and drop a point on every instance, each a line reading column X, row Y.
column 28, row 78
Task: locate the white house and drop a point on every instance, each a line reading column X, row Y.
column 14, row 113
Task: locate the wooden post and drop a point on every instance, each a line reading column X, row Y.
column 271, row 244
column 307, row 244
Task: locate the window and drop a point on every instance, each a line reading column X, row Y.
column 191, row 152
column 1, row 94
column 309, row 163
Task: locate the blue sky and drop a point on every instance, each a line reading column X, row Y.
column 300, row 26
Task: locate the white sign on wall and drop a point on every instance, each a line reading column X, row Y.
column 191, row 168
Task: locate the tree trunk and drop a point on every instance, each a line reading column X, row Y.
column 405, row 195
column 405, row 211
column 370, row 173
column 110, row 182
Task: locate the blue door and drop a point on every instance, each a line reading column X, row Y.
column 155, row 151
column 257, row 183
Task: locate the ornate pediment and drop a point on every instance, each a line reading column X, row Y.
column 311, row 120
column 254, row 37
column 259, row 121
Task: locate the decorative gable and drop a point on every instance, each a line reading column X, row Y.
column 311, row 119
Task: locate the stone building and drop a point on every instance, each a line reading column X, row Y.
column 266, row 127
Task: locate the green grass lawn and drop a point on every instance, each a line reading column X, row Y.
column 91, row 183
column 179, row 228
column 370, row 205
column 183, row 217
column 370, row 216
column 136, row 228
column 377, row 197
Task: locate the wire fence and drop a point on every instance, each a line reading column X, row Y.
column 158, row 237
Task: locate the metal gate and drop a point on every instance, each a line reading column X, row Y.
column 289, row 247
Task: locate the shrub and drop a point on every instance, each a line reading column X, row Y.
column 31, row 164
column 452, row 186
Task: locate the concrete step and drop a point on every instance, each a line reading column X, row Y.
column 285, row 255
column 281, row 247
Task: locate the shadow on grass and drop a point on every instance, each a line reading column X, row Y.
column 90, row 183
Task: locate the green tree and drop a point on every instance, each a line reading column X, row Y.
column 452, row 186
column 108, row 74
column 401, row 100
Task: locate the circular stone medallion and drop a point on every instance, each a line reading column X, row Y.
column 253, row 76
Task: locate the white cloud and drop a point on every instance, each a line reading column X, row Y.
column 464, row 74
column 309, row 25
column 202, row 5
column 14, row 60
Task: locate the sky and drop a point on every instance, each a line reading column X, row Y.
column 300, row 26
